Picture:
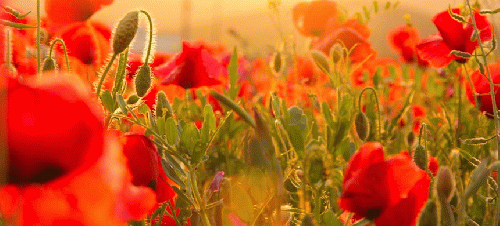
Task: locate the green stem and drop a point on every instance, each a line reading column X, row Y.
column 64, row 48
column 194, row 187
column 493, row 101
column 378, row 108
column 99, row 86
column 38, row 51
column 150, row 41
column 459, row 111
column 422, row 128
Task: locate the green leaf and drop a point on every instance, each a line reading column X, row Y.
column 161, row 125
column 297, row 139
column 144, row 109
column 366, row 12
column 388, row 5
column 171, row 131
column 375, row 6
column 15, row 25
column 118, row 86
column 171, row 172
column 16, row 13
column 234, row 106
column 455, row 16
column 189, row 138
column 460, row 54
column 479, row 177
column 232, row 70
column 181, row 195
column 275, row 103
column 297, row 117
column 329, row 219
column 327, row 113
column 122, row 104
column 487, row 11
column 107, row 101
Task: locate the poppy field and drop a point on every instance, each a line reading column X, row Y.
column 94, row 132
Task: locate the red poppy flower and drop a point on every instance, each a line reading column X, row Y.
column 453, row 35
column 310, row 18
column 192, row 68
column 383, row 190
column 135, row 61
column 482, row 89
column 404, row 39
column 65, row 12
column 87, row 41
column 145, row 165
column 63, row 168
column 352, row 35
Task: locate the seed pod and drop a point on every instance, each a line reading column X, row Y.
column 362, row 126
column 162, row 105
column 336, row 52
column 429, row 216
column 133, row 99
column 445, row 183
column 421, row 158
column 321, row 61
column 143, row 80
column 125, row 32
column 49, row 64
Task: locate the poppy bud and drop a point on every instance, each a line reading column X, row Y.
column 362, row 126
column 320, row 60
column 162, row 104
column 143, row 80
column 125, row 32
column 49, row 64
column 420, row 157
column 336, row 52
column 277, row 63
column 445, row 183
column 410, row 139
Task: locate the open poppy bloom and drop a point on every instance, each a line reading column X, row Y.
column 482, row 89
column 350, row 34
column 310, row 18
column 65, row 12
column 63, row 168
column 192, row 68
column 453, row 35
column 384, row 190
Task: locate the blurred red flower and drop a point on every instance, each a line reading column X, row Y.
column 404, row 39
column 63, row 167
column 453, row 35
column 350, row 34
column 66, row 11
column 311, row 18
column 481, row 86
column 192, row 68
column 383, row 190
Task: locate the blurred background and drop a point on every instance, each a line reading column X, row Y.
column 252, row 21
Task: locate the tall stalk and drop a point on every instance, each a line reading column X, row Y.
column 493, row 100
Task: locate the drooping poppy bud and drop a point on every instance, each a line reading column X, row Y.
column 125, row 32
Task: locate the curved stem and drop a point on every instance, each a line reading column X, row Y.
column 64, row 48
column 378, row 107
column 99, row 86
column 38, row 51
column 150, row 42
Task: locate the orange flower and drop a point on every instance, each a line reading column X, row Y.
column 67, row 11
column 310, row 18
column 404, row 39
column 305, row 71
column 352, row 35
column 63, row 167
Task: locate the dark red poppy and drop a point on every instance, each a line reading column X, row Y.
column 453, row 35
column 383, row 190
column 482, row 89
column 192, row 68
column 65, row 12
column 350, row 34
column 63, row 168
column 310, row 18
